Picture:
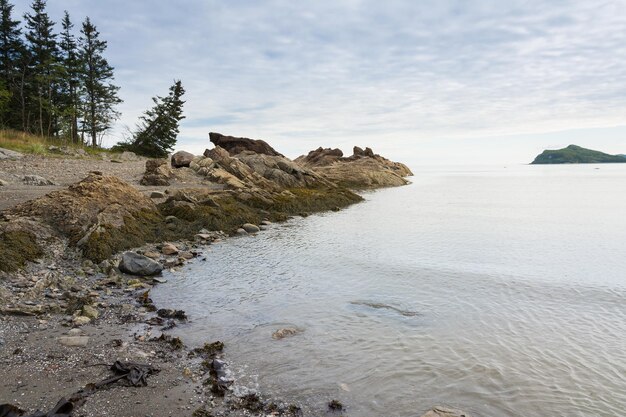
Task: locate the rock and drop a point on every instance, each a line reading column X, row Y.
column 241, row 232
column 335, row 405
column 157, row 194
column 169, row 249
column 445, row 412
column 168, row 313
column 187, row 255
column 36, row 180
column 266, row 222
column 321, row 156
column 364, row 169
column 170, row 219
column 236, row 145
column 286, row 332
column 80, row 320
column 74, row 341
column 251, row 228
column 203, row 236
column 181, row 159
column 91, row 312
column 135, row 264
column 152, row 254
column 75, row 332
column 2, row 183
column 159, row 280
column 157, row 173
column 9, row 154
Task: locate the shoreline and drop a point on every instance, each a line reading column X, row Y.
column 69, row 312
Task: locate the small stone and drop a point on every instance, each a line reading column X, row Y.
column 36, row 180
column 80, row 320
column 89, row 311
column 251, row 228
column 241, row 232
column 186, row 255
column 159, row 280
column 75, row 332
column 170, row 219
column 157, row 194
column 169, row 249
column 187, row 373
column 74, row 341
column 152, row 254
column 2, row 183
column 266, row 222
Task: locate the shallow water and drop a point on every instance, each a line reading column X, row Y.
column 497, row 290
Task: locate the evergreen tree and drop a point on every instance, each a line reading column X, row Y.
column 11, row 49
column 99, row 94
column 70, row 98
column 41, row 42
column 158, row 128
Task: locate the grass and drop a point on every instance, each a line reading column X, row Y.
column 38, row 145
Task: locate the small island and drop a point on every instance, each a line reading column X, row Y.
column 576, row 155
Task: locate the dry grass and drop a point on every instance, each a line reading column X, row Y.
column 32, row 144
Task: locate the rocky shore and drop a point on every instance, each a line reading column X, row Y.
column 79, row 334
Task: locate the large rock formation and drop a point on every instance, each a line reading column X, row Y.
column 251, row 170
column 99, row 214
column 157, row 172
column 364, row 169
column 236, row 145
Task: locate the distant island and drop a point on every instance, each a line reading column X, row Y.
column 577, row 155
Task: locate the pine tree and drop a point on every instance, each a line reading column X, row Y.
column 70, row 99
column 11, row 50
column 44, row 66
column 158, row 128
column 99, row 94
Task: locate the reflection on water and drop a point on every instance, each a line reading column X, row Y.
column 501, row 292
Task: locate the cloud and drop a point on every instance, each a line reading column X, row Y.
column 386, row 74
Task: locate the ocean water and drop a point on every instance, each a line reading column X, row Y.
column 497, row 290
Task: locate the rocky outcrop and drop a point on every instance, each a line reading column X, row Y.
column 36, row 180
column 99, row 214
column 251, row 170
column 236, row 145
column 181, row 159
column 364, row 169
column 157, row 173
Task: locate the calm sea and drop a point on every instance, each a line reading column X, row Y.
column 498, row 290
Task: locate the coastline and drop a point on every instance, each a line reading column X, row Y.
column 69, row 314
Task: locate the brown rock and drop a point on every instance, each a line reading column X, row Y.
column 157, row 173
column 236, row 145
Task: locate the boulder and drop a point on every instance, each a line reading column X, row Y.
column 36, row 180
column 241, row 232
column 358, row 152
column 181, row 159
column 236, row 145
column 251, row 228
column 135, row 264
column 445, row 412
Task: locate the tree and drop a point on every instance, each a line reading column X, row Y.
column 11, row 49
column 99, row 94
column 158, row 128
column 44, row 66
column 70, row 98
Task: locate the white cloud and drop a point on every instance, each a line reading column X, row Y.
column 386, row 74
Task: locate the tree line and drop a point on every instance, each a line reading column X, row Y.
column 57, row 85
column 60, row 85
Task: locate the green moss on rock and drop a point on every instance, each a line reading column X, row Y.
column 16, row 248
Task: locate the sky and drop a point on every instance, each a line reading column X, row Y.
column 423, row 82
